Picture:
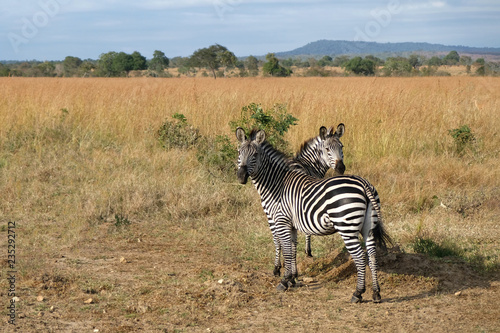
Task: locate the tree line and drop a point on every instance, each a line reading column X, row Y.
column 217, row 61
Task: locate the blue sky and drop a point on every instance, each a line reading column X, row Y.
column 54, row 29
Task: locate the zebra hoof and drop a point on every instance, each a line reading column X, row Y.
column 356, row 299
column 281, row 287
column 376, row 297
column 276, row 271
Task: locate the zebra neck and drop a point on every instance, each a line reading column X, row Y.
column 272, row 169
column 309, row 159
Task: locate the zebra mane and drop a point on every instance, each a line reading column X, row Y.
column 305, row 147
column 307, row 161
column 276, row 155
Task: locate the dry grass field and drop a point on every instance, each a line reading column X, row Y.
column 113, row 233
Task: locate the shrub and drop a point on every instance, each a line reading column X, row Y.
column 463, row 139
column 219, row 155
column 275, row 122
column 178, row 133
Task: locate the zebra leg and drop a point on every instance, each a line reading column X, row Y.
column 277, row 261
column 295, row 274
column 372, row 262
column 308, row 246
column 287, row 236
column 353, row 245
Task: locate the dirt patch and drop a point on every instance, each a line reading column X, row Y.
column 164, row 285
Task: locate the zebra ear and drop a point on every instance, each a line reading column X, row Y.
column 260, row 137
column 240, row 135
column 340, row 130
column 322, row 132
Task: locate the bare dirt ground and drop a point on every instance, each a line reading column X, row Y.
column 152, row 279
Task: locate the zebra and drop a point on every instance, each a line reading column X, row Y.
column 314, row 158
column 317, row 155
column 295, row 201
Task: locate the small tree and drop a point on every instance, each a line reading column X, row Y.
column 212, row 57
column 71, row 65
column 122, row 63
column 397, row 66
column 273, row 67
column 138, row 61
column 325, row 61
column 415, row 61
column 159, row 62
column 451, row 58
column 360, row 66
column 252, row 65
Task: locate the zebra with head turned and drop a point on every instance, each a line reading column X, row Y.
column 295, row 201
column 319, row 154
column 315, row 157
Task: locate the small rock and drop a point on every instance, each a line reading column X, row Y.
column 40, row 298
column 458, row 293
column 221, row 281
column 122, row 259
column 308, row 279
column 89, row 301
column 52, row 309
column 16, row 299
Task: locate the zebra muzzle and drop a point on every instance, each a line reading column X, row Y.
column 242, row 174
column 340, row 167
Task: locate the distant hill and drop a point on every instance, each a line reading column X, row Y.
column 338, row 47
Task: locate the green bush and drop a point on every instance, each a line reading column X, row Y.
column 178, row 133
column 463, row 138
column 219, row 155
column 275, row 122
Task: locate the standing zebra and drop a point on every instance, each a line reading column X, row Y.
column 314, row 158
column 295, row 201
column 317, row 155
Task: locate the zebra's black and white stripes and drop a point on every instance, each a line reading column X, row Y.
column 295, row 201
column 318, row 155
column 315, row 157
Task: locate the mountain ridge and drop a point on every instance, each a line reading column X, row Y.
column 343, row 47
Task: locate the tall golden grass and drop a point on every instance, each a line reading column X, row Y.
column 76, row 152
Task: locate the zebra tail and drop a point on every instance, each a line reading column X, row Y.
column 382, row 238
